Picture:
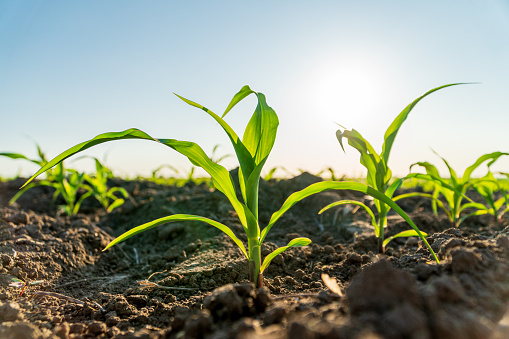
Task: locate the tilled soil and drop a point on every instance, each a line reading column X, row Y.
column 188, row 280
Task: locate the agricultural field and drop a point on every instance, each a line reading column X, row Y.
column 242, row 255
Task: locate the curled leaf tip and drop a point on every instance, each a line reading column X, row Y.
column 339, row 136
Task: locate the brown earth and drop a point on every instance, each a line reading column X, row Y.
column 202, row 289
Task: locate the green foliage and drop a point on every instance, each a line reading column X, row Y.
column 41, row 161
column 180, row 178
column 68, row 183
column 489, row 188
column 252, row 152
column 379, row 175
column 272, row 171
column 454, row 190
column 98, row 186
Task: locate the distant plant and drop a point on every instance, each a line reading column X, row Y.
column 489, row 188
column 98, row 186
column 41, row 161
column 454, row 190
column 379, row 175
column 188, row 176
column 272, row 171
column 68, row 183
column 157, row 171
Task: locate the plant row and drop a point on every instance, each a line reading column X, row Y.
column 252, row 152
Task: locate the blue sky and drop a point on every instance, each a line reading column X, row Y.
column 72, row 70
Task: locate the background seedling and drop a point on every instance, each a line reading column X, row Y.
column 98, row 186
column 67, row 183
column 454, row 190
column 379, row 175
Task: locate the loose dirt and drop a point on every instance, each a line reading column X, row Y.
column 188, row 280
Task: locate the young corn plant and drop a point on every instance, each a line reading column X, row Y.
column 98, row 186
column 40, row 162
column 379, row 175
column 489, row 188
column 454, row 190
column 252, row 152
column 68, row 183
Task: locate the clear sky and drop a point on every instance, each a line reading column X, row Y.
column 70, row 70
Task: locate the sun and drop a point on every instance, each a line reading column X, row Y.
column 348, row 90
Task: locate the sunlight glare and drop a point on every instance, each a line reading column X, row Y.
column 348, row 91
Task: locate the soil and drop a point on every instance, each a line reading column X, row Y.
column 188, row 280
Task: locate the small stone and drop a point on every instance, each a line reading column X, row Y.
column 18, row 218
column 290, row 281
column 316, row 284
column 97, row 327
column 299, row 274
column 112, row 321
column 137, row 300
column 328, row 249
column 354, row 258
column 78, row 328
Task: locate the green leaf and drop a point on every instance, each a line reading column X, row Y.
column 244, row 92
column 297, row 242
column 392, row 131
column 475, row 205
column 115, row 204
column 178, row 217
column 454, row 177
column 369, row 158
column 357, row 203
column 259, row 138
column 425, row 195
column 220, row 176
column 345, row 185
column 245, row 160
column 393, row 187
column 404, row 234
column 260, row 133
column 257, row 142
column 491, row 156
column 20, row 156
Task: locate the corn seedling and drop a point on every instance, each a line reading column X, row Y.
column 379, row 175
column 156, row 173
column 454, row 190
column 272, row 171
column 252, row 153
column 489, row 188
column 98, row 185
column 66, row 182
column 40, row 162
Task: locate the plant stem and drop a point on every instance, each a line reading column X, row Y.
column 255, row 261
column 382, row 223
